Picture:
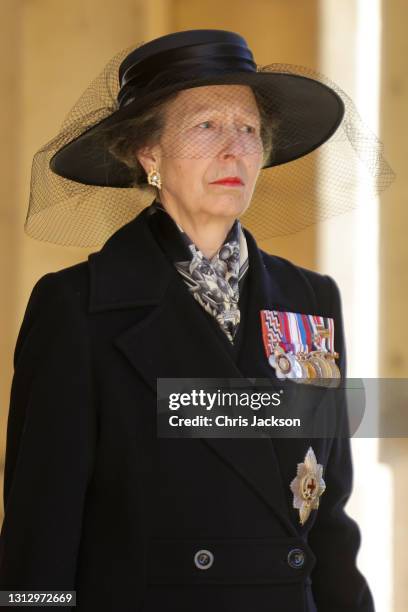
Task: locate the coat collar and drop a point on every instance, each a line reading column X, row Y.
column 129, row 270
column 132, row 271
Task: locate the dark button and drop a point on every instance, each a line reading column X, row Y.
column 203, row 559
column 296, row 558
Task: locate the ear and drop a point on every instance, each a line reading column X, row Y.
column 148, row 157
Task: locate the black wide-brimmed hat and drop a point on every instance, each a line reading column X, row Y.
column 182, row 60
column 82, row 190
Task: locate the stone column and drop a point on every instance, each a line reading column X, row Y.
column 10, row 157
column 394, row 272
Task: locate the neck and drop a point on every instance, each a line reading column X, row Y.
column 208, row 232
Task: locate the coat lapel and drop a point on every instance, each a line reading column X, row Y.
column 176, row 340
column 266, row 291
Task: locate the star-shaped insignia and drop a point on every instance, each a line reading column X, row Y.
column 307, row 486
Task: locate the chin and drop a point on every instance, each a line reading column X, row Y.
column 227, row 204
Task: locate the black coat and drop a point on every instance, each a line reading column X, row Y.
column 95, row 502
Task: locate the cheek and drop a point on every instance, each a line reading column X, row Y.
column 184, row 174
column 254, row 166
column 193, row 171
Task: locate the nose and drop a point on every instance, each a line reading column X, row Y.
column 234, row 143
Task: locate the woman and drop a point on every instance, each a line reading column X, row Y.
column 95, row 501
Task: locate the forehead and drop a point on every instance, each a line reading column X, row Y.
column 218, row 97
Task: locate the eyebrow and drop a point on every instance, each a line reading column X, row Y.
column 199, row 109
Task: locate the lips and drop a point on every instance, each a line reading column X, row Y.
column 229, row 180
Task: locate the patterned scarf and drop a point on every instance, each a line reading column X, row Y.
column 215, row 283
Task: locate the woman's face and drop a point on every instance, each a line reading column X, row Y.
column 210, row 133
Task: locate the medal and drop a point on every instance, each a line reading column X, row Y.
column 311, row 371
column 329, row 358
column 286, row 365
column 308, row 486
column 300, row 347
column 324, row 367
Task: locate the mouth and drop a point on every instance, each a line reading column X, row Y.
column 231, row 181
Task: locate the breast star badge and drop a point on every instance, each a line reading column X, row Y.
column 307, row 486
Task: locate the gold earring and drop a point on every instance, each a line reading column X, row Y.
column 154, row 178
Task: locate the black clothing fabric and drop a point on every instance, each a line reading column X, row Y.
column 96, row 502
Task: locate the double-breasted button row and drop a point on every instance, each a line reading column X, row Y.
column 203, row 559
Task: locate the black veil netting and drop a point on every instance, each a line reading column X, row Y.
column 289, row 196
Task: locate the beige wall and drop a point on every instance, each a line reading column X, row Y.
column 394, row 210
column 393, row 259
column 10, row 151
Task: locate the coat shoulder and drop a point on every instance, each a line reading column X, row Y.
column 62, row 291
column 295, row 278
column 57, row 300
column 75, row 277
column 69, row 281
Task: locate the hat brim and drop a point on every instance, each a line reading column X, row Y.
column 318, row 110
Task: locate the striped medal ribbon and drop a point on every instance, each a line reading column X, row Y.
column 300, row 346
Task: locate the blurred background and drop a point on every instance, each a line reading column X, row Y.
column 50, row 51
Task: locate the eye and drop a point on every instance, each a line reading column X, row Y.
column 251, row 129
column 204, row 123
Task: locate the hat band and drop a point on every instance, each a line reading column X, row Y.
column 184, row 63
